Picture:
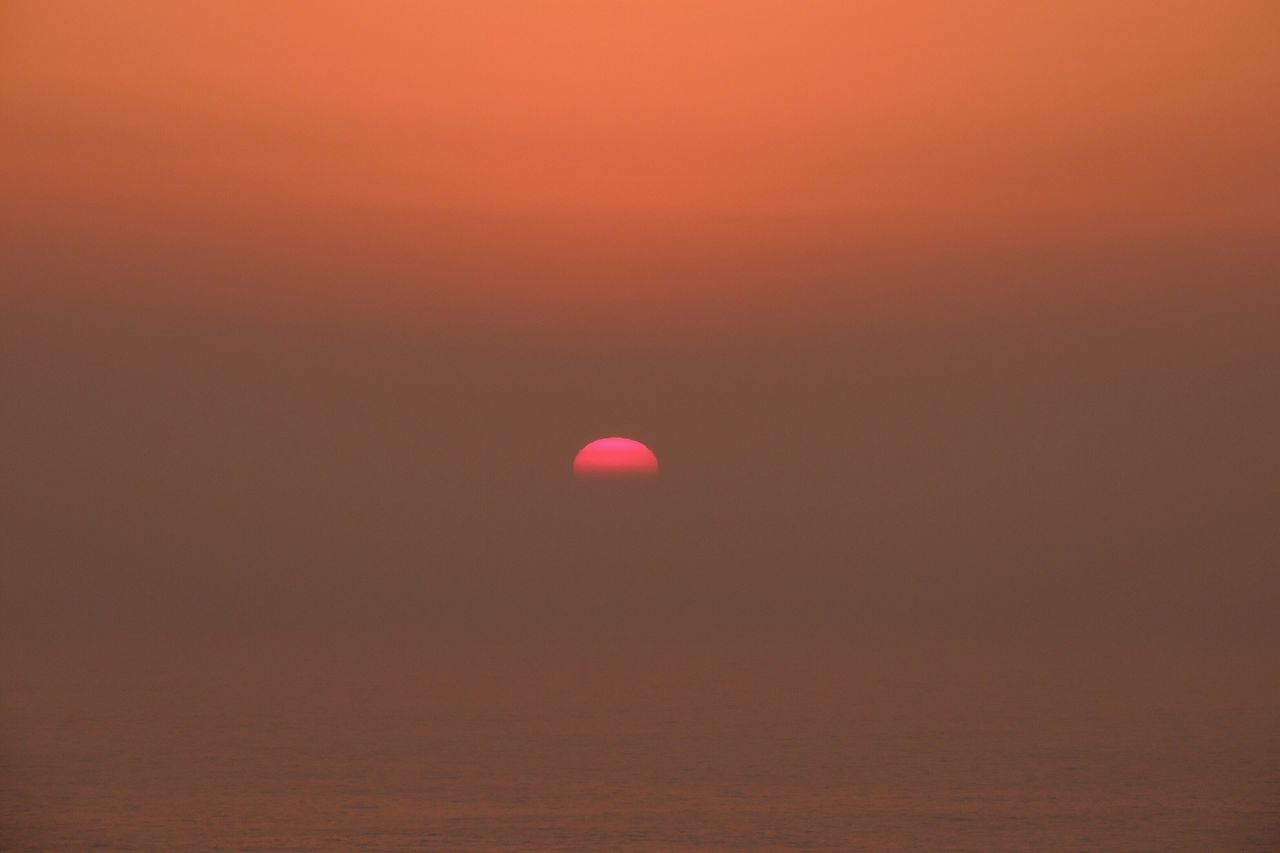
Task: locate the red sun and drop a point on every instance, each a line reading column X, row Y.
column 614, row 458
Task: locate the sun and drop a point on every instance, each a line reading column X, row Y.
column 615, row 458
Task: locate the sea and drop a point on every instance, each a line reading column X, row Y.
column 267, row 746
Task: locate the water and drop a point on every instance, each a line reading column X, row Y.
column 746, row 748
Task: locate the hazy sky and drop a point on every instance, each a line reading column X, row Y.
column 944, row 318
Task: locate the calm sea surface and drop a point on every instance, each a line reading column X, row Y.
column 747, row 749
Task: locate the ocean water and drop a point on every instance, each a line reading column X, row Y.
column 740, row 749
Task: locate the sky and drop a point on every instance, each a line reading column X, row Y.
column 948, row 322
column 497, row 157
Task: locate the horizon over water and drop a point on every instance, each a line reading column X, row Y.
column 392, row 744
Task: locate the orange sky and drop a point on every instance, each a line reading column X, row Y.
column 398, row 131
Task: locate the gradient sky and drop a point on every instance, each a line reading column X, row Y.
column 581, row 157
column 943, row 318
